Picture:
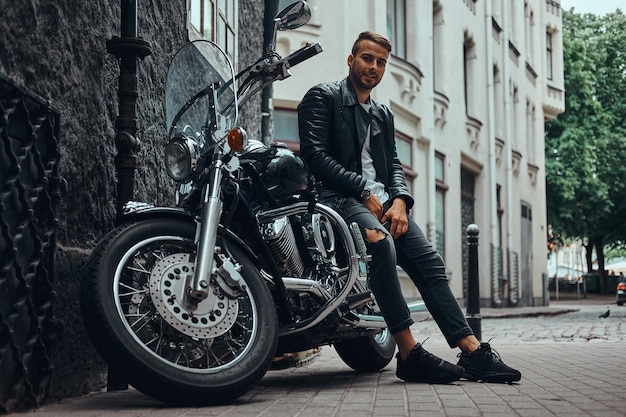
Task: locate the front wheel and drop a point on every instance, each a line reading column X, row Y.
column 367, row 353
column 131, row 298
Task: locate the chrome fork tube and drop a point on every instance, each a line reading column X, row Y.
column 207, row 236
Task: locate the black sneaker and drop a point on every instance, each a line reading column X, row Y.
column 422, row 366
column 484, row 364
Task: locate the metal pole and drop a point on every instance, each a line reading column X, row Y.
column 473, row 289
column 579, row 251
column 271, row 10
column 556, row 278
column 127, row 48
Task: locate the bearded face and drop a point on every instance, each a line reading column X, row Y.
column 368, row 65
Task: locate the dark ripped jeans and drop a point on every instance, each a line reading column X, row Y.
column 414, row 253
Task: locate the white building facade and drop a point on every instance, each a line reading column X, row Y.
column 471, row 83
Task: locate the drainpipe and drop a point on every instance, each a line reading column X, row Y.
column 509, row 154
column 491, row 132
column 127, row 48
column 271, row 10
column 432, row 182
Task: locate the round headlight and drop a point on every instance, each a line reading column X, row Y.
column 180, row 159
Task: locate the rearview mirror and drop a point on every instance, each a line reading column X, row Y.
column 293, row 16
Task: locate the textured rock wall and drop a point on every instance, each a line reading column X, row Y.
column 250, row 49
column 57, row 48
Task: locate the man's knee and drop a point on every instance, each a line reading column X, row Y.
column 374, row 235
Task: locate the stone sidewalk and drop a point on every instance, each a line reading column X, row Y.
column 559, row 378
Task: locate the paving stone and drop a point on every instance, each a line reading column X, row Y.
column 569, row 362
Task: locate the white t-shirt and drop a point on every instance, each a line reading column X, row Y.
column 367, row 165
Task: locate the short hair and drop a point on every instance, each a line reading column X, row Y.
column 371, row 36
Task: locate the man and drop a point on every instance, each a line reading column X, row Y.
column 348, row 141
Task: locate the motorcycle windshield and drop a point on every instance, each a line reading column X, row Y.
column 200, row 98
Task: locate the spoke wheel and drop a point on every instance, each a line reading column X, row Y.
column 135, row 311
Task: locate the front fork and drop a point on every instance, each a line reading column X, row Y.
column 227, row 276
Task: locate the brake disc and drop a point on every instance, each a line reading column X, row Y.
column 213, row 317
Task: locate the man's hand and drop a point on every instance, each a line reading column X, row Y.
column 374, row 205
column 398, row 218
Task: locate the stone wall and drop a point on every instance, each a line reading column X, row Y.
column 58, row 50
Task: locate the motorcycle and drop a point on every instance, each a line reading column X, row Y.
column 194, row 302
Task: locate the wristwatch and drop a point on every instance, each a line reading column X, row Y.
column 366, row 194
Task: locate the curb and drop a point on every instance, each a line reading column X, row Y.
column 527, row 313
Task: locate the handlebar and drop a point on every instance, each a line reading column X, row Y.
column 271, row 68
column 304, row 53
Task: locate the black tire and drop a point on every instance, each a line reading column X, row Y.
column 130, row 324
column 367, row 353
column 620, row 303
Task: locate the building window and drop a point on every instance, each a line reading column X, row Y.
column 549, row 71
column 440, row 205
column 216, row 20
column 438, row 41
column 396, row 26
column 513, row 13
column 499, row 102
column 469, row 76
column 530, row 129
column 404, row 146
column 515, row 116
column 284, row 3
column 439, row 169
column 497, row 11
column 286, row 125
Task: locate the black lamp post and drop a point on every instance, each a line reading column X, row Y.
column 128, row 47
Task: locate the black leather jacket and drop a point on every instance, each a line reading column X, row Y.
column 332, row 128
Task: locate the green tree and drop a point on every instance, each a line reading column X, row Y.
column 586, row 145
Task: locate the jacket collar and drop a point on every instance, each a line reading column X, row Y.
column 348, row 98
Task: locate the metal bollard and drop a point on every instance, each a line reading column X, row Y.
column 473, row 293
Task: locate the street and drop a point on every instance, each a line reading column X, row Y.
column 571, row 362
column 583, row 325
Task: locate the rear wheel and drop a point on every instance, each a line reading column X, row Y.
column 367, row 353
column 132, row 305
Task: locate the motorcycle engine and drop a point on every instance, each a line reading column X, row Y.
column 317, row 241
column 280, row 238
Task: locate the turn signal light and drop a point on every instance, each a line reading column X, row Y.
column 237, row 139
column 621, row 286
